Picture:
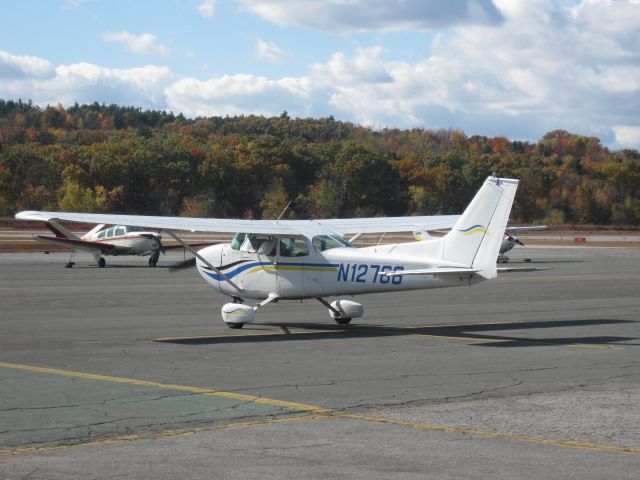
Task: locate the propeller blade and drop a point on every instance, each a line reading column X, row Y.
column 184, row 264
column 160, row 246
column 519, row 242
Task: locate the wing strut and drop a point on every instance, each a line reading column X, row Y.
column 203, row 260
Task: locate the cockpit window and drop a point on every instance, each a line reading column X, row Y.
column 110, row 231
column 237, row 240
column 293, row 247
column 327, row 242
column 102, row 233
column 119, row 230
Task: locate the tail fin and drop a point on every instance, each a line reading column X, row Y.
column 475, row 239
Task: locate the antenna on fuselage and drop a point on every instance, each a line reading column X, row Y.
column 283, row 211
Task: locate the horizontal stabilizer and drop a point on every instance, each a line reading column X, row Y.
column 78, row 244
column 431, row 271
column 522, row 269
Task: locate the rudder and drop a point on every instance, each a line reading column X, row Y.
column 475, row 239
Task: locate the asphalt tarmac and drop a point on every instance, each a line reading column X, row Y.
column 129, row 372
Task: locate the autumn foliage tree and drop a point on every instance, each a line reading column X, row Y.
column 108, row 158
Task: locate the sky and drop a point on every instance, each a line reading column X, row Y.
column 513, row 68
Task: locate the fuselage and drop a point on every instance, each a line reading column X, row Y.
column 128, row 240
column 316, row 272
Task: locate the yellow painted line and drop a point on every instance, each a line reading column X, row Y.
column 174, row 432
column 166, row 386
column 496, row 435
column 318, row 413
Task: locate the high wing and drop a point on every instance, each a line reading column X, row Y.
column 270, row 227
column 84, row 245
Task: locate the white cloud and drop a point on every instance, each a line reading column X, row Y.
column 88, row 83
column 364, row 67
column 382, row 15
column 270, row 52
column 23, row 66
column 238, row 94
column 627, row 136
column 145, row 44
column 546, row 67
column 207, row 8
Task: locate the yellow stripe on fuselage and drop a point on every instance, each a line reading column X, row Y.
column 476, row 230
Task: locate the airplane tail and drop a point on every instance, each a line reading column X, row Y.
column 476, row 237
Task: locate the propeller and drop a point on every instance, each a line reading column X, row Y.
column 513, row 238
column 160, row 246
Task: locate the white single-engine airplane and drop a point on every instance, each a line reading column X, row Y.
column 99, row 241
column 509, row 240
column 297, row 259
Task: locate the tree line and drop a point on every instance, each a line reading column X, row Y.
column 109, row 158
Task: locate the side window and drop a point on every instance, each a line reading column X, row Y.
column 102, row 233
column 251, row 244
column 268, row 247
column 293, row 247
column 110, row 232
column 327, row 242
column 119, row 230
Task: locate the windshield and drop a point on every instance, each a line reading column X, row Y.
column 327, row 242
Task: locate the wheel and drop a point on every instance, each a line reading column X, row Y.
column 153, row 261
column 102, row 262
column 235, row 325
column 342, row 321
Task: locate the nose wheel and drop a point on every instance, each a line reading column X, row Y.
column 342, row 321
column 102, row 262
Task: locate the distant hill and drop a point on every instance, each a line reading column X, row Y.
column 127, row 160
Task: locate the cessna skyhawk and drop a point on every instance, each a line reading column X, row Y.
column 277, row 260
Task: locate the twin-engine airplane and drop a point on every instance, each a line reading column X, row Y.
column 99, row 241
column 298, row 259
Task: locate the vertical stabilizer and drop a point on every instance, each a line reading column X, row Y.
column 475, row 239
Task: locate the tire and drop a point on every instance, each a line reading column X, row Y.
column 102, row 262
column 235, row 326
column 153, row 261
column 342, row 321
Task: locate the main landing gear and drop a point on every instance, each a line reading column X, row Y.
column 71, row 263
column 102, row 262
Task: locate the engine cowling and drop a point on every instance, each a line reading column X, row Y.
column 347, row 309
column 238, row 313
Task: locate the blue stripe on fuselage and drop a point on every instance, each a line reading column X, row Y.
column 247, row 266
